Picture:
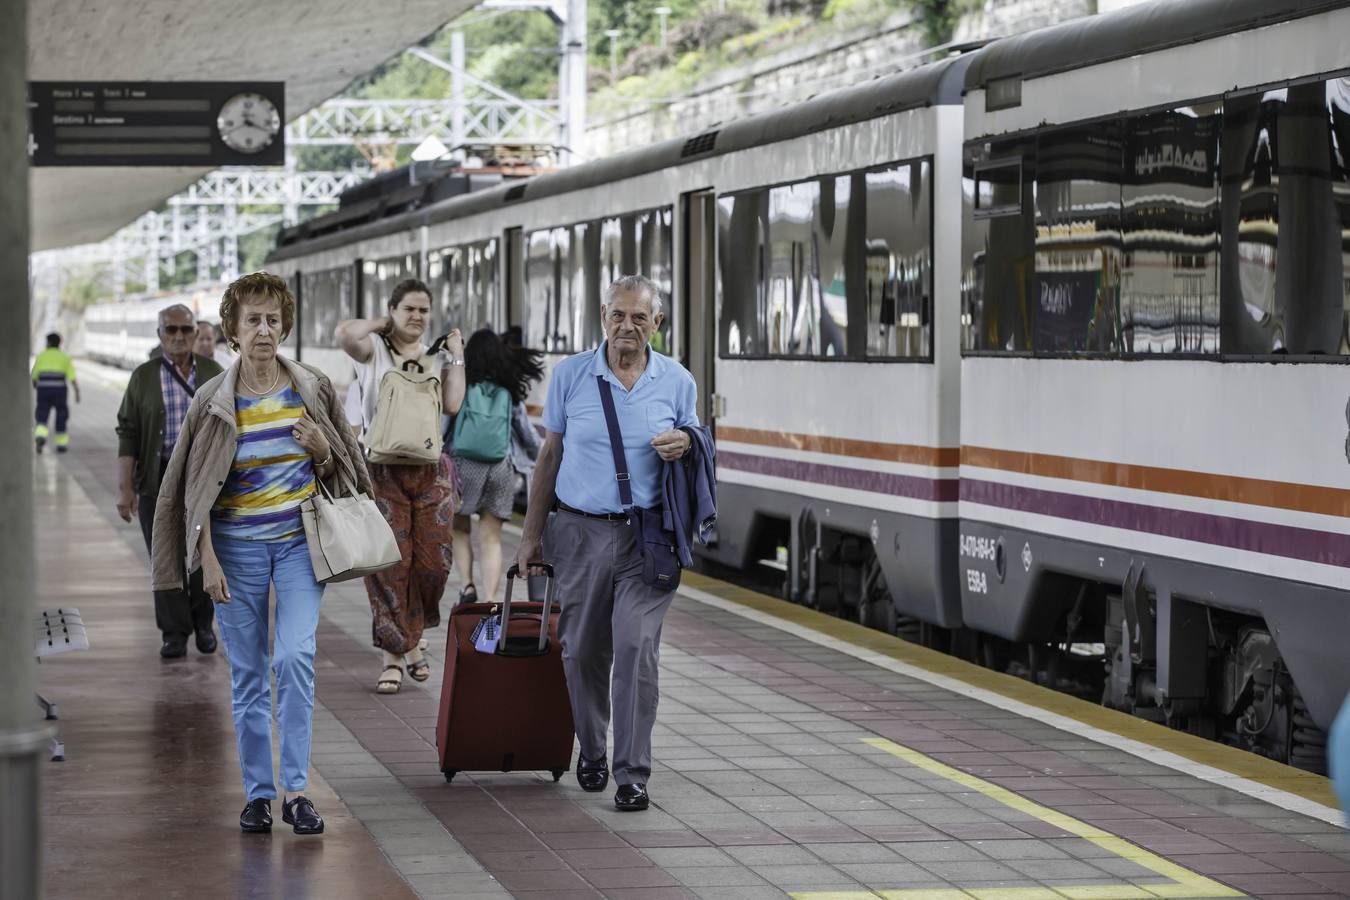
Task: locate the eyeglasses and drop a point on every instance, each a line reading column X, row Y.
column 179, row 329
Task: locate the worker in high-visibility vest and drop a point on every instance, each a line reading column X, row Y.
column 52, row 371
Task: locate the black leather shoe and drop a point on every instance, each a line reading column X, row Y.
column 206, row 641
column 174, row 647
column 257, row 816
column 299, row 813
column 631, row 797
column 592, row 776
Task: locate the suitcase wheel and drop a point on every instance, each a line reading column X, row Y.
column 450, row 775
column 558, row 774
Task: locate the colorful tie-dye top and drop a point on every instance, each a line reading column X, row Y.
column 271, row 474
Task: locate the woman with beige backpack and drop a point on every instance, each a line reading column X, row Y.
column 404, row 386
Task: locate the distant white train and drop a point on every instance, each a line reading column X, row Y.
column 123, row 334
column 1037, row 355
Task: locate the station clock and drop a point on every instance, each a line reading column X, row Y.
column 248, row 123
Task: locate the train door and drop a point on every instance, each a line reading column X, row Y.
column 298, row 291
column 359, row 289
column 699, row 307
column 513, row 277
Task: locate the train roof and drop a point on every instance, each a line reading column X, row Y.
column 935, row 84
column 1128, row 32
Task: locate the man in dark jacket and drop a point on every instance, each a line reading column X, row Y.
column 153, row 408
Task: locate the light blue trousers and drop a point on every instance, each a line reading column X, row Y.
column 250, row 567
column 1338, row 757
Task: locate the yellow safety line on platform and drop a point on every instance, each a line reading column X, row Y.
column 1268, row 772
column 1184, row 883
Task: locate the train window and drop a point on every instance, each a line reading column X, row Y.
column 568, row 268
column 464, row 287
column 1169, row 276
column 897, row 260
column 1210, row 228
column 553, row 288
column 1285, row 211
column 653, row 245
column 378, row 278
column 328, row 298
column 1074, row 304
column 997, row 188
column 792, row 282
column 742, row 225
column 838, row 267
column 998, row 252
column 292, row 342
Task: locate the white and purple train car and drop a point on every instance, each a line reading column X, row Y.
column 1035, row 354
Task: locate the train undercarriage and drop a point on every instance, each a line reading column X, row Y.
column 1217, row 674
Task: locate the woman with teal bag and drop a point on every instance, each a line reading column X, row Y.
column 497, row 378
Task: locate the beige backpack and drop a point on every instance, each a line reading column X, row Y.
column 406, row 430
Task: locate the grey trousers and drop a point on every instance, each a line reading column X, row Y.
column 610, row 620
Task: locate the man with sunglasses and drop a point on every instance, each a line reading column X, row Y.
column 153, row 408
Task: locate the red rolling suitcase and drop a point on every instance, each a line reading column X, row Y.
column 509, row 710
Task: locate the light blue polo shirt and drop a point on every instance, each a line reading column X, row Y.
column 663, row 398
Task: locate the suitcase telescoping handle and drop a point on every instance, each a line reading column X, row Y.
column 511, row 575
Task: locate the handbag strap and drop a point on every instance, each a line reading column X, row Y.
column 178, row 377
column 407, row 362
column 615, row 442
column 344, row 483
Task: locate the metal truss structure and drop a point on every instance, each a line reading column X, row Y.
column 207, row 221
column 209, row 217
column 493, row 121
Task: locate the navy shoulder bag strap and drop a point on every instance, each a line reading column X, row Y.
column 660, row 565
column 615, row 443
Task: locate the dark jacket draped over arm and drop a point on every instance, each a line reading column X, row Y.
column 689, row 493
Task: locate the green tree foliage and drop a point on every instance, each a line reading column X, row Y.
column 254, row 247
column 518, row 51
column 84, row 286
column 938, row 18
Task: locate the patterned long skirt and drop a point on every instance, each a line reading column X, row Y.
column 418, row 502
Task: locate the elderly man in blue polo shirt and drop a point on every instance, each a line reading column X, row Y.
column 610, row 617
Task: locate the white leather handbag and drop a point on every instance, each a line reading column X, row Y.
column 348, row 536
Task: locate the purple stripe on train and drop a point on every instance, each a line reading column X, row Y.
column 1306, row 544
column 1241, row 534
column 912, row 486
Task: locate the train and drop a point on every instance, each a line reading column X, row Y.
column 1007, row 354
column 122, row 334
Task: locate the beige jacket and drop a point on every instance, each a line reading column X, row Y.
column 201, row 463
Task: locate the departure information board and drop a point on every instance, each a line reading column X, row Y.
column 157, row 123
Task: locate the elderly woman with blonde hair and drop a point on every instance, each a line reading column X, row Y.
column 255, row 440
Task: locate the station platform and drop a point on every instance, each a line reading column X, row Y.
column 795, row 755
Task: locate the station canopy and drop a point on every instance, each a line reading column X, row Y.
column 315, row 46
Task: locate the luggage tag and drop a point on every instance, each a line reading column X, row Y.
column 486, row 633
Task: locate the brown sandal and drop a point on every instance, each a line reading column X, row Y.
column 418, row 667
column 391, row 679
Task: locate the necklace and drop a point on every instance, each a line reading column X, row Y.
column 275, row 382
